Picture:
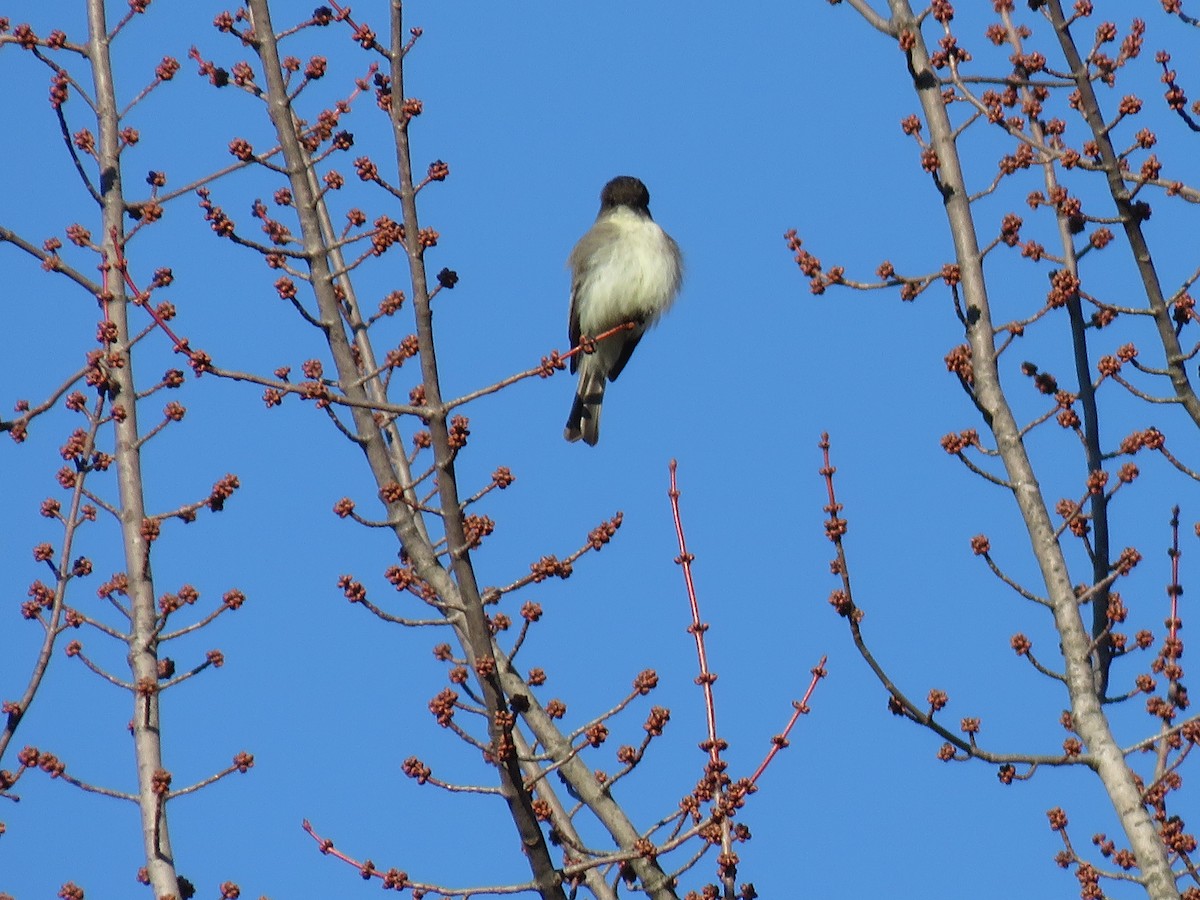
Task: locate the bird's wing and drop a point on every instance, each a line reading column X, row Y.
column 630, row 341
column 581, row 262
column 573, row 324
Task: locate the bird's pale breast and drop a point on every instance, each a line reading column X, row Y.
column 631, row 275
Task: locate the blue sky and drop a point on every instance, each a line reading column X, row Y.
column 742, row 125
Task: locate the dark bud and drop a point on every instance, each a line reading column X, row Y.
column 1075, row 223
column 447, row 278
column 1046, row 383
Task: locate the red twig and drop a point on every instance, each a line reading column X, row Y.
column 583, row 348
column 367, row 868
column 697, row 628
column 140, row 299
column 550, row 365
column 780, row 741
column 397, row 880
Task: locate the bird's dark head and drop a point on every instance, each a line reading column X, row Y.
column 625, row 190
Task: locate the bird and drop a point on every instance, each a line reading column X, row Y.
column 625, row 269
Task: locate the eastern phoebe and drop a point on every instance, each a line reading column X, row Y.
column 625, row 269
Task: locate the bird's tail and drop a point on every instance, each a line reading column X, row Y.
column 584, row 420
